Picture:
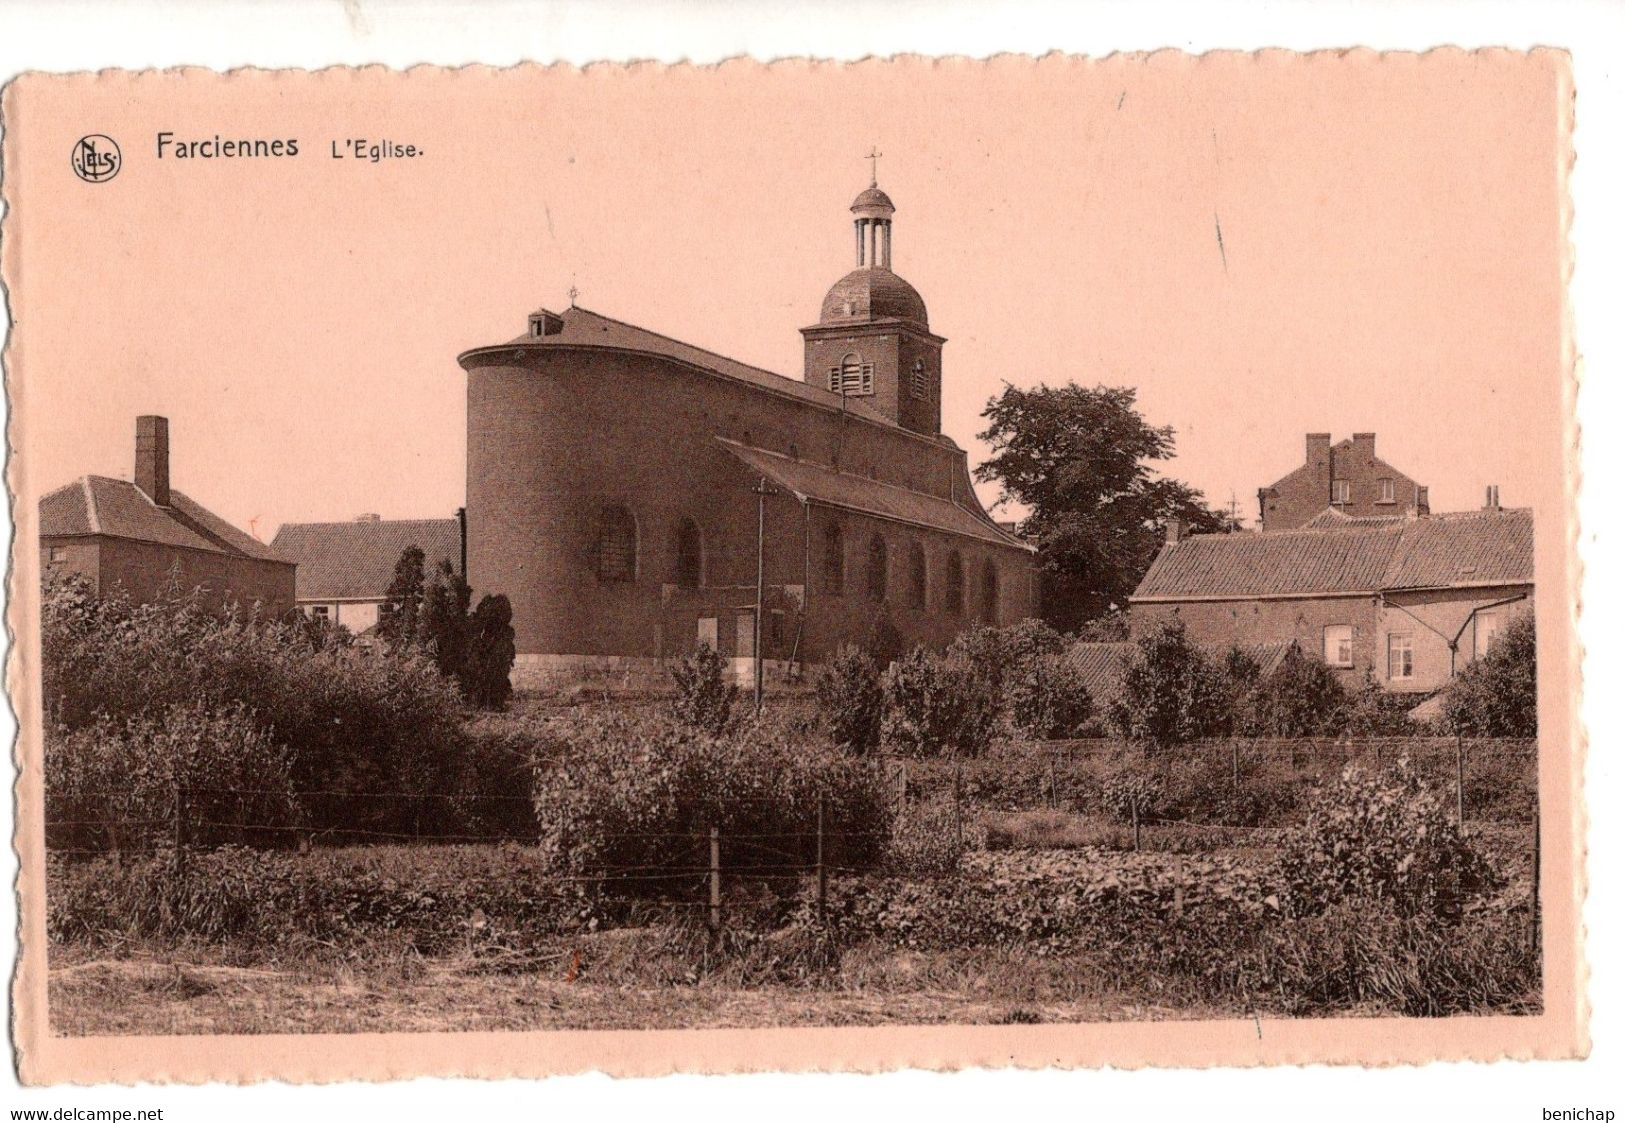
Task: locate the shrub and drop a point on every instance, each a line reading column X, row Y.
column 1129, row 789
column 939, row 704
column 705, row 693
column 1049, row 698
column 851, row 699
column 634, row 797
column 1387, row 837
column 1002, row 652
column 1301, row 697
column 1375, row 712
column 1171, row 692
column 1495, row 696
column 928, row 840
column 486, row 677
column 119, row 786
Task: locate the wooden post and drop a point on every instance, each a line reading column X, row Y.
column 959, row 824
column 1179, row 885
column 1134, row 815
column 823, row 872
column 180, row 833
column 1376, row 747
column 902, row 784
column 1054, row 796
column 715, row 919
column 1461, row 781
column 1235, row 763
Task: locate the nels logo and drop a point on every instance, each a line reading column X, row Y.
column 96, row 158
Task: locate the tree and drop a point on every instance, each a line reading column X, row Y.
column 403, row 600
column 1171, row 692
column 1301, row 697
column 1080, row 460
column 443, row 624
column 1495, row 695
column 490, row 654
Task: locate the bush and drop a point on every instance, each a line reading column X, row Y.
column 634, row 799
column 1171, row 692
column 1002, row 652
column 119, row 786
column 1130, row 790
column 1301, row 697
column 928, row 840
column 351, row 719
column 852, row 700
column 1383, row 837
column 1048, row 698
column 705, row 694
column 940, row 704
column 1495, row 696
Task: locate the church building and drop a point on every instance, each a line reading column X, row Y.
column 625, row 489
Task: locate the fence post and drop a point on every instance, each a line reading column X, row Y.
column 1054, row 796
column 1179, row 885
column 1235, row 763
column 1461, row 773
column 180, row 832
column 823, row 872
column 1376, row 747
column 1134, row 816
column 902, row 785
column 715, row 919
column 959, row 824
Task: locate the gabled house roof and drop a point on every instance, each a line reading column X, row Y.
column 1473, row 548
column 356, row 560
column 816, row 483
column 1100, row 665
column 102, row 506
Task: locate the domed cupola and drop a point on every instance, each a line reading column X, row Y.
column 873, row 338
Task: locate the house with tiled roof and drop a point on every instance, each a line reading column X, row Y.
column 1408, row 600
column 146, row 540
column 345, row 568
column 1343, row 479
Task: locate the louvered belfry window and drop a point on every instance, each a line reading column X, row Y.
column 617, row 545
column 919, row 382
column 853, row 378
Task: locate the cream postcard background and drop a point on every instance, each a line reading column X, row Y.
column 798, row 262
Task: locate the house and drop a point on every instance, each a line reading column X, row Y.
column 345, row 568
column 1347, row 478
column 1409, row 601
column 148, row 541
column 1100, row 665
column 626, row 490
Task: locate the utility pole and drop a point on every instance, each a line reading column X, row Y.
column 762, row 490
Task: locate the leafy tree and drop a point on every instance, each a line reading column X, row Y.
column 705, row 695
column 940, row 705
column 851, row 699
column 1080, row 460
column 1171, row 691
column 1299, row 698
column 403, row 600
column 443, row 623
column 1495, row 695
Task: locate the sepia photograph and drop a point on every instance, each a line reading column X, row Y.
column 1045, row 542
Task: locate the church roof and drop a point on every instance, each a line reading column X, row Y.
column 872, row 293
column 1460, row 550
column 872, row 196
column 583, row 328
column 101, row 505
column 355, row 560
column 816, row 483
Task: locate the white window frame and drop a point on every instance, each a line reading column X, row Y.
column 1385, row 490
column 54, row 554
column 319, row 612
column 1340, row 493
column 1402, row 644
column 1337, row 645
column 1483, row 637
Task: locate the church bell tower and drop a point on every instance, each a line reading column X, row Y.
column 872, row 341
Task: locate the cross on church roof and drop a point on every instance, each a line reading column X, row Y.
column 573, row 293
column 874, row 166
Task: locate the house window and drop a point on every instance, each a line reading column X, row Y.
column 1338, row 643
column 1485, row 625
column 55, row 554
column 1340, row 491
column 990, row 591
column 318, row 612
column 954, row 594
column 617, row 545
column 1385, row 490
column 918, row 384
column 916, row 575
column 1400, row 665
column 853, row 378
column 688, row 555
column 834, row 561
column 877, row 569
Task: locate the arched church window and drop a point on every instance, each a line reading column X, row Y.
column 954, row 593
column 853, row 378
column 617, row 545
column 688, row 556
column 834, row 560
column 877, row 569
column 916, row 575
column 990, row 591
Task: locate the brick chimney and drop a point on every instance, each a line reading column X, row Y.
column 1419, row 507
column 1492, row 497
column 1175, row 530
column 1365, row 448
column 152, row 457
column 369, row 517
